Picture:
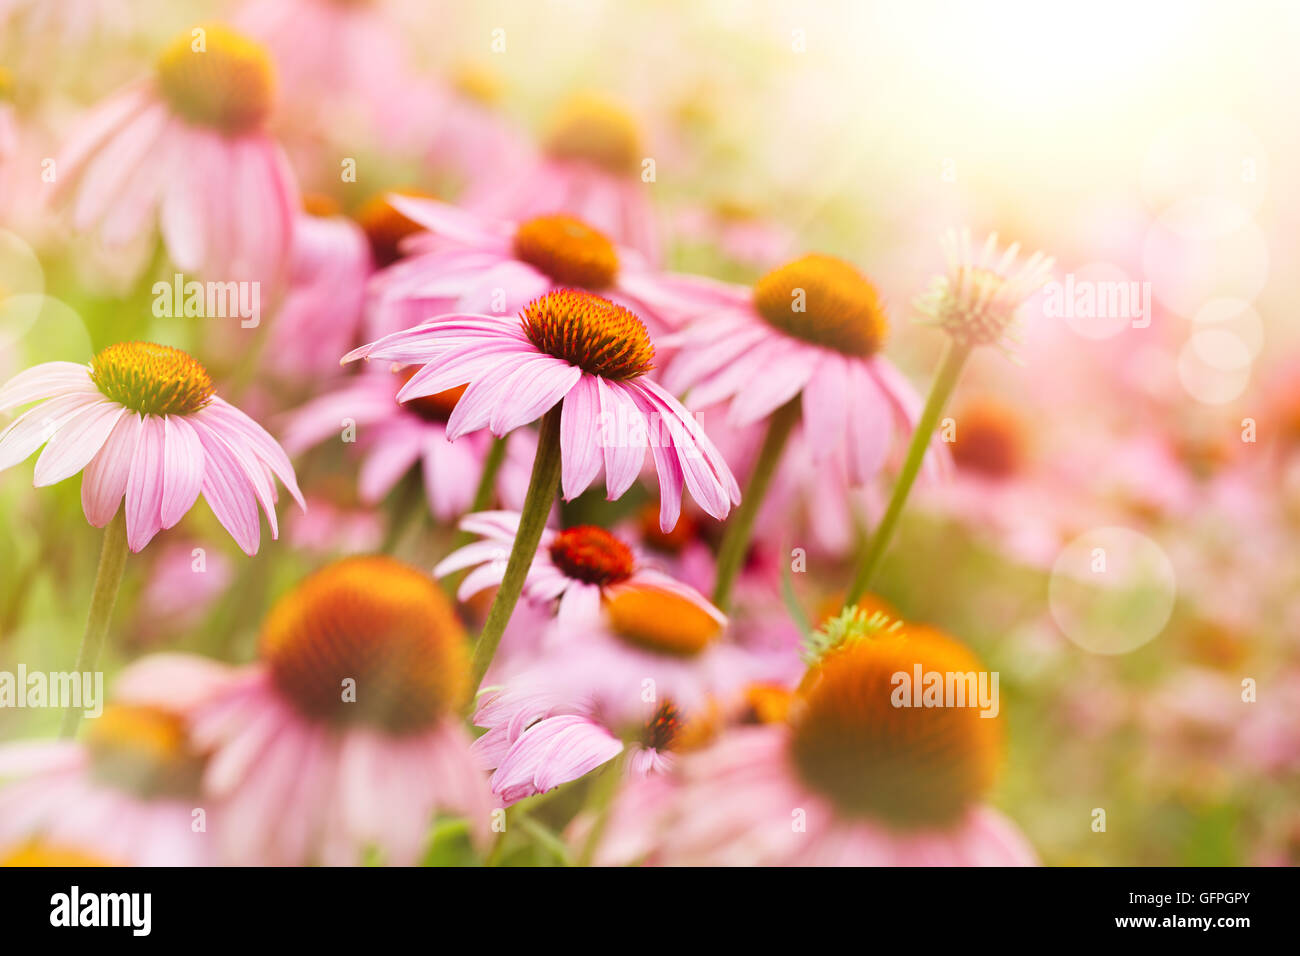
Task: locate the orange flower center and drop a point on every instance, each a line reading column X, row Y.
column 567, row 250
column 320, row 205
column 661, row 621
column 215, row 77
column 151, row 379
column 385, row 227
column 435, row 408
column 368, row 640
column 144, row 751
column 910, row 766
column 594, row 334
column 989, row 440
column 592, row 554
column 595, row 130
column 824, row 301
column 40, row 853
column 477, row 83
column 661, row 732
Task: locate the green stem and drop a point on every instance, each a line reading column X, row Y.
column 112, row 560
column 603, row 789
column 950, row 366
column 735, row 540
column 406, row 504
column 542, row 488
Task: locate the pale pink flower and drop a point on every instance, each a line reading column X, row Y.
column 396, row 435
column 471, row 262
column 811, row 329
column 145, row 424
column 538, row 738
column 590, row 166
column 586, row 355
column 575, row 567
column 124, row 796
column 187, row 149
column 300, row 771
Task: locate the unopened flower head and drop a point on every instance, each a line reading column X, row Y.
column 977, row 301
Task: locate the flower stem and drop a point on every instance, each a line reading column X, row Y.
column 601, row 802
column 112, row 560
column 950, row 366
column 735, row 540
column 542, row 487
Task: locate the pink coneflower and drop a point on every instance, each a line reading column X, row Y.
column 811, row 329
column 345, row 737
column 396, row 435
column 849, row 779
column 144, row 422
column 538, row 738
column 189, row 147
column 126, row 795
column 470, row 262
column 590, row 166
column 575, row 567
column 805, row 341
column 321, row 315
column 583, row 355
column 578, row 362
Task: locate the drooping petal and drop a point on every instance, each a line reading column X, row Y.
column 580, row 452
column 621, row 431
column 183, row 461
column 104, row 480
column 144, row 485
column 73, row 446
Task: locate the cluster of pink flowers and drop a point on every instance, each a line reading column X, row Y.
column 549, row 489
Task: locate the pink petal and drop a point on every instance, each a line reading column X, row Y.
column 105, row 478
column 32, row 429
column 620, row 418
column 182, row 469
column 227, row 490
column 47, row 380
column 144, row 486
column 72, row 448
column 579, row 421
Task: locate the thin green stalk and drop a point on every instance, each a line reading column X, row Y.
column 603, row 789
column 735, row 540
column 112, row 561
column 950, row 366
column 542, row 488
